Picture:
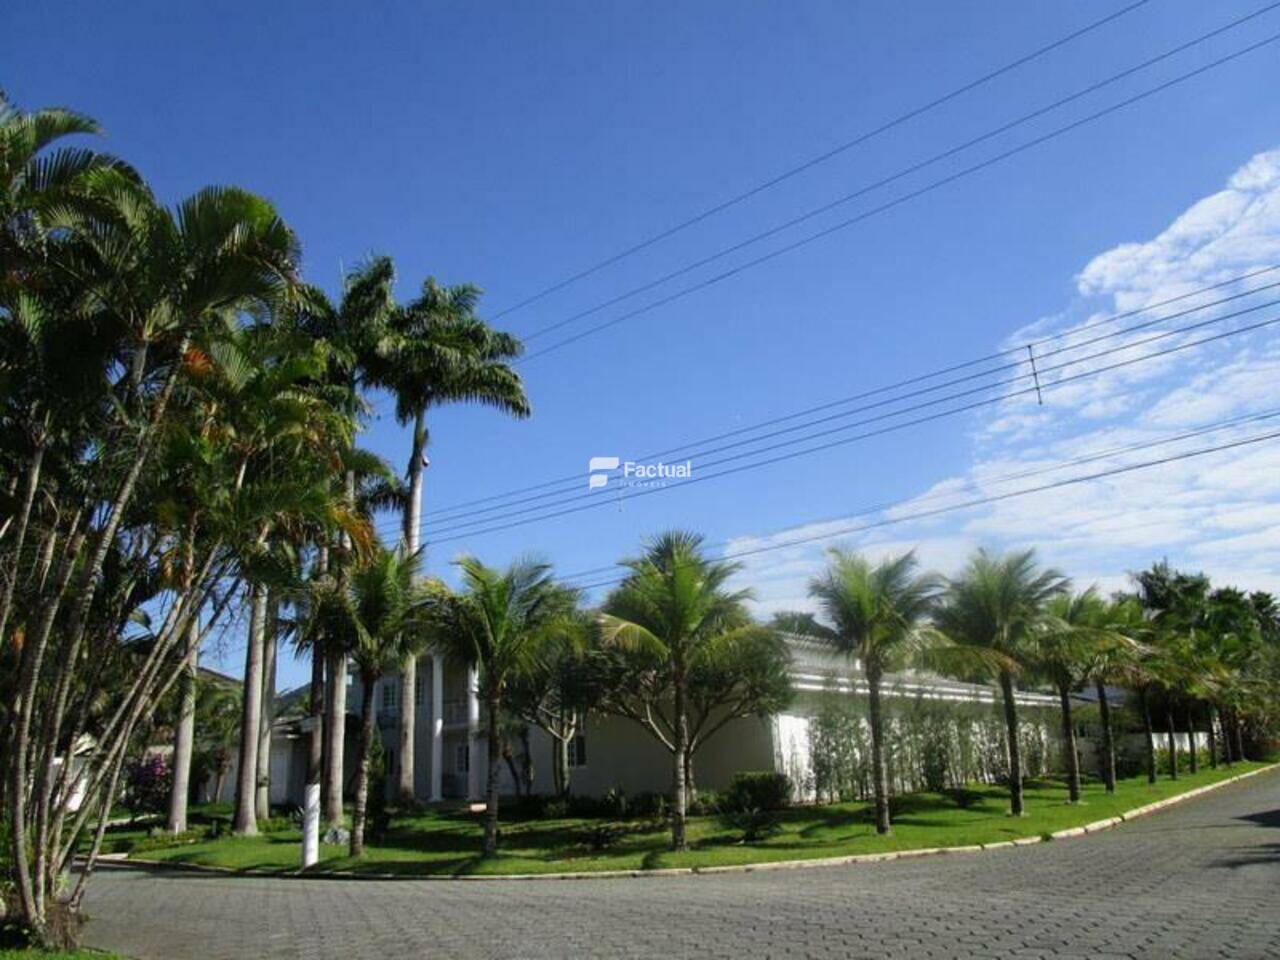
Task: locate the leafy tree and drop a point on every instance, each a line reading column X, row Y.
column 436, row 351
column 990, row 612
column 503, row 623
column 674, row 611
column 378, row 612
column 875, row 615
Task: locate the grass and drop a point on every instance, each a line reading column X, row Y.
column 448, row 842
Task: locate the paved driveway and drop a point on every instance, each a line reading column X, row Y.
column 1200, row 880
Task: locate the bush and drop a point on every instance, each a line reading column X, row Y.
column 757, row 790
column 555, row 808
column 706, row 803
column 161, row 840
column 649, row 804
column 147, row 785
column 276, row 824
column 602, row 836
column 754, row 824
column 963, row 797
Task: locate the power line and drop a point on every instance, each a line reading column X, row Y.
column 816, row 160
column 576, row 478
column 880, row 431
column 1006, row 478
column 980, row 501
column 900, row 200
column 692, row 448
column 923, row 405
column 894, row 177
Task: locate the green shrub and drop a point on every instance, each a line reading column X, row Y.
column 757, row 790
column 963, row 797
column 602, row 836
column 160, row 839
column 650, row 804
column 555, row 808
column 276, row 824
column 706, row 803
column 753, row 823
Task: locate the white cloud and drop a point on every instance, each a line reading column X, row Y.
column 1219, row 512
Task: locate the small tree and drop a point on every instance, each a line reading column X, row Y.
column 503, row 623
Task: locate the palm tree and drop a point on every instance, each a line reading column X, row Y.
column 353, row 328
column 1112, row 664
column 1065, row 646
column 502, row 624
column 990, row 611
column 674, row 605
column 876, row 613
column 437, row 352
column 376, row 611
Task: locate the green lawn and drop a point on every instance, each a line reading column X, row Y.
column 441, row 842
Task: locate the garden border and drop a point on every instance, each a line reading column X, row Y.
column 122, row 860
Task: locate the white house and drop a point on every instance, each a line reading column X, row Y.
column 615, row 753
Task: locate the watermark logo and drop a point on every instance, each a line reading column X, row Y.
column 635, row 473
column 598, row 471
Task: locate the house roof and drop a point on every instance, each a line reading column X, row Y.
column 815, row 666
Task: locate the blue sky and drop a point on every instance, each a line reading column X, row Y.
column 512, row 145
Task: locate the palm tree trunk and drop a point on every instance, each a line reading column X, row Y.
column 1237, row 732
column 262, row 790
column 491, row 788
column 24, row 517
column 1013, row 748
column 335, row 733
column 1170, row 742
column 879, row 774
column 1213, row 738
column 678, row 806
column 1108, row 758
column 184, row 734
column 561, row 766
column 245, row 822
column 1191, row 740
column 409, row 670
column 360, row 813
column 1145, row 707
column 494, row 750
column 1069, row 743
column 315, row 744
column 1226, row 740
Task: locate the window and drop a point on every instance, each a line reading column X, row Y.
column 420, row 686
column 462, row 759
column 390, row 695
column 577, row 749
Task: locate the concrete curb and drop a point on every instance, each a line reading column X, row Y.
column 122, row 860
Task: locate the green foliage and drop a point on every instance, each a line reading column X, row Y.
column 753, row 823
column 757, row 790
column 839, row 750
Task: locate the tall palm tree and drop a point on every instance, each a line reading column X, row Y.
column 502, row 623
column 1065, row 646
column 1112, row 664
column 875, row 613
column 991, row 611
column 675, row 605
column 377, row 612
column 354, row 327
column 437, row 352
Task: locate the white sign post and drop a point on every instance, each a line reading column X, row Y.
column 311, row 826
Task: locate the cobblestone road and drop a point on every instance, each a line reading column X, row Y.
column 1199, row 880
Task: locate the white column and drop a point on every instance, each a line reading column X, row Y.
column 474, row 790
column 437, row 727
